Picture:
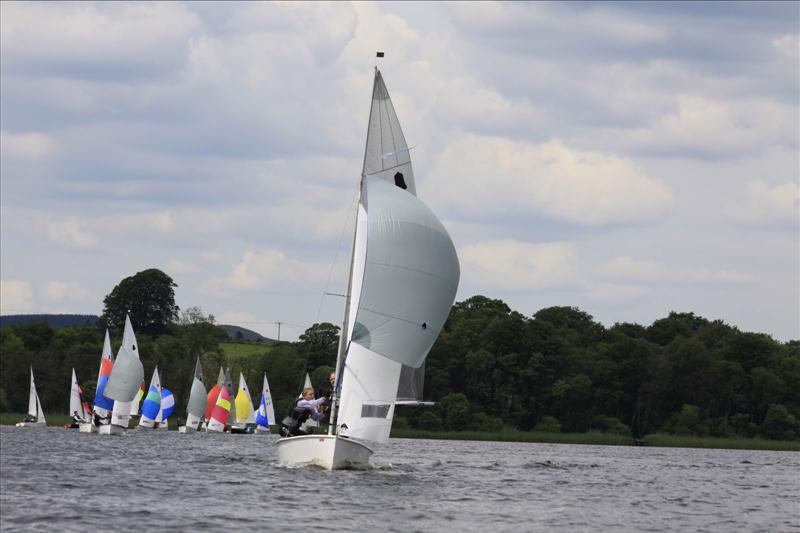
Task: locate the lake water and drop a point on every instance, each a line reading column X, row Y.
column 61, row 479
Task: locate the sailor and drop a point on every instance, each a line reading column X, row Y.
column 76, row 419
column 303, row 407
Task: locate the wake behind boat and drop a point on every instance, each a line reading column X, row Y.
column 403, row 279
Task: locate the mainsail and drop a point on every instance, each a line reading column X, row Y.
column 77, row 405
column 125, row 377
column 102, row 404
column 34, row 405
column 404, row 277
column 229, row 388
column 386, row 154
column 245, row 414
column 266, row 412
column 197, row 398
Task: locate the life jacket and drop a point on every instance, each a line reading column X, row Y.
column 295, row 416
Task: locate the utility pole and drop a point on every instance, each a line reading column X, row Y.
column 279, row 330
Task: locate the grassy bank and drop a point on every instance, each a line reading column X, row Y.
column 732, row 443
column 56, row 420
column 603, row 439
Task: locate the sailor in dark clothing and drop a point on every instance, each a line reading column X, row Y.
column 300, row 411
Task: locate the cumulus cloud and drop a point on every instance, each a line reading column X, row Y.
column 15, row 297
column 770, row 205
column 70, row 233
column 271, row 268
column 512, row 265
column 26, row 146
column 489, row 176
column 63, row 292
column 641, row 271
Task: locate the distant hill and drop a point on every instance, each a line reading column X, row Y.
column 246, row 334
column 54, row 321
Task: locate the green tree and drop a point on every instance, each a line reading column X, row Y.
column 319, row 344
column 149, row 297
column 780, row 423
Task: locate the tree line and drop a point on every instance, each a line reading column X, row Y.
column 491, row 368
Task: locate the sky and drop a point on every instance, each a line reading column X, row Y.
column 628, row 159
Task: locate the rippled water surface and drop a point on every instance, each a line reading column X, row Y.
column 61, row 479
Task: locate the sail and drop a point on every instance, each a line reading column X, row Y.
column 76, row 403
column 386, row 154
column 213, row 394
column 405, row 276
column 102, row 404
column 266, row 412
column 229, row 388
column 137, row 399
column 196, row 407
column 125, row 377
column 34, row 405
column 245, row 414
column 167, row 404
column 412, row 382
column 309, row 423
column 221, row 411
column 151, row 407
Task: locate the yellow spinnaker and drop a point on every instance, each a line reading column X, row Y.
column 242, row 405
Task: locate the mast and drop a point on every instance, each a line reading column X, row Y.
column 343, row 341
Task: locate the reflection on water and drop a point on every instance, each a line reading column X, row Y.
column 204, row 482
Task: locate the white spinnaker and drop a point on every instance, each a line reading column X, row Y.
column 386, row 153
column 409, row 276
column 125, row 377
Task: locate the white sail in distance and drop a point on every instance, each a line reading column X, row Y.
column 127, row 374
column 198, row 399
column 34, row 405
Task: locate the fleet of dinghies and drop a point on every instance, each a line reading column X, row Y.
column 403, row 277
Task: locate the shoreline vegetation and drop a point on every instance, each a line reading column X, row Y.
column 539, row 437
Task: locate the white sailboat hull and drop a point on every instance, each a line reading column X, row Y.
column 326, row 451
column 87, row 428
column 31, row 424
column 261, row 430
column 111, row 429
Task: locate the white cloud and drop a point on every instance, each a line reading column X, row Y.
column 271, row 268
column 70, row 232
column 25, row 146
column 490, row 176
column 15, row 297
column 513, row 265
column 61, row 292
column 765, row 205
column 628, row 270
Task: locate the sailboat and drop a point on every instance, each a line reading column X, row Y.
column 403, row 279
column 265, row 416
column 102, row 404
column 135, row 411
column 197, row 402
column 245, row 413
column 123, row 382
column 229, row 388
column 151, row 407
column 218, row 418
column 35, row 418
column 77, row 406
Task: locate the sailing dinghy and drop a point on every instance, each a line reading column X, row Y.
column 404, row 275
column 102, row 404
column 151, row 407
column 245, row 413
column 78, row 407
column 197, row 402
column 35, row 417
column 123, row 382
column 265, row 416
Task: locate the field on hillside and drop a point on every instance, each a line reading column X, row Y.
column 239, row 350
